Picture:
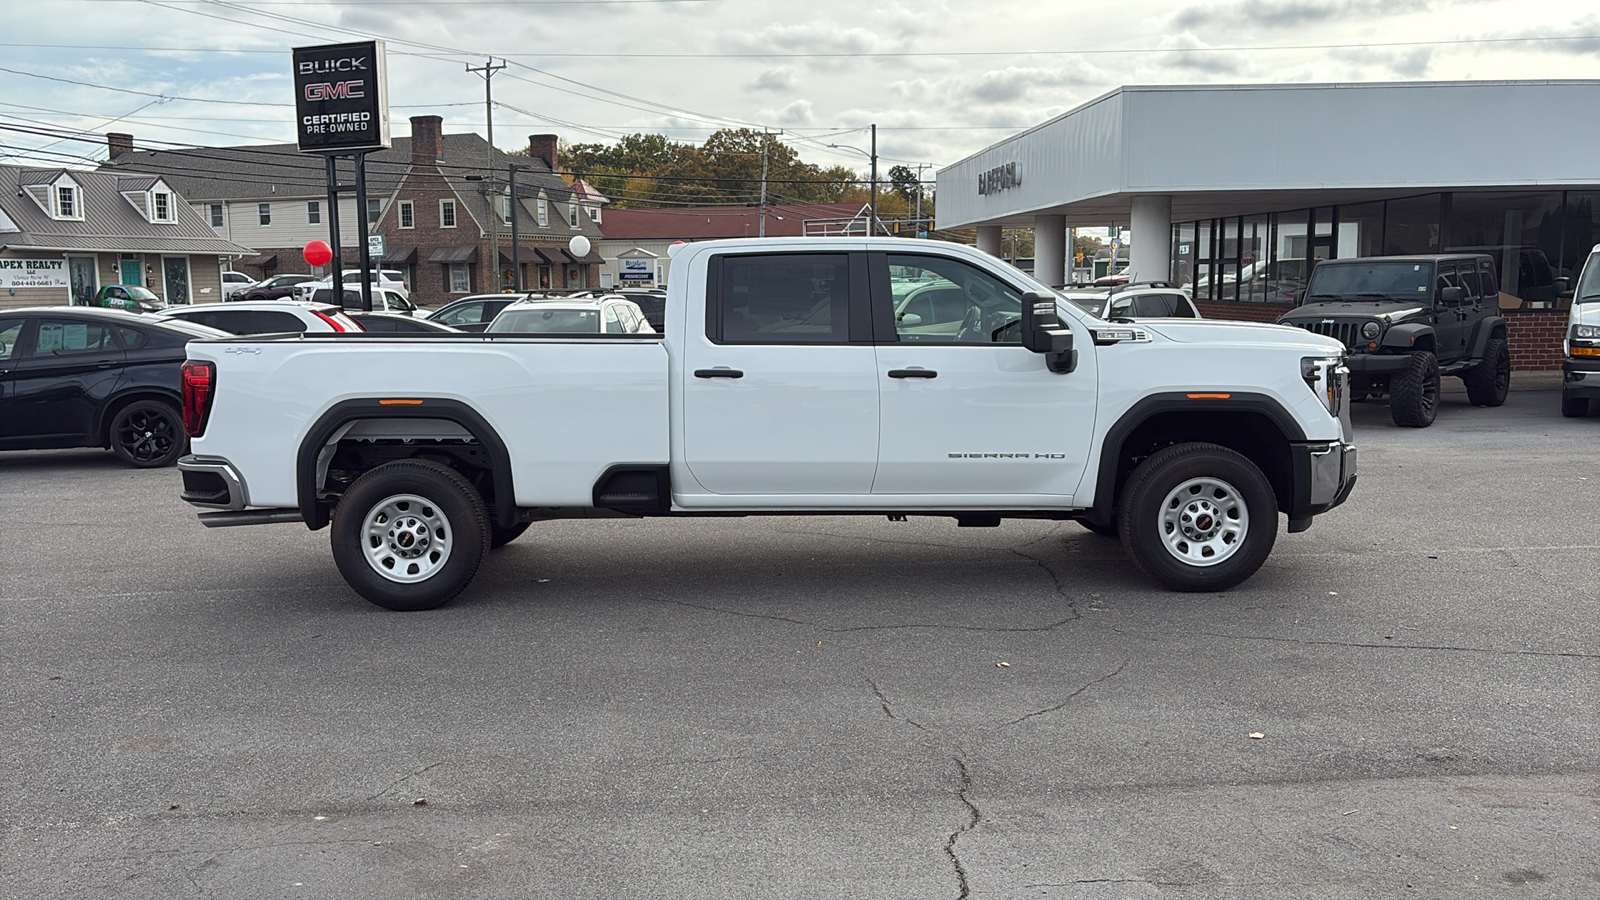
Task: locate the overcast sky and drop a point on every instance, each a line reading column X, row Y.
column 941, row 78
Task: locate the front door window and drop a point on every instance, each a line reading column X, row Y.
column 84, row 283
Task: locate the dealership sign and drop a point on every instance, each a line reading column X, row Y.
column 999, row 178
column 34, row 273
column 340, row 100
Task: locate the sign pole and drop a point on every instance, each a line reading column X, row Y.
column 333, row 231
column 366, row 246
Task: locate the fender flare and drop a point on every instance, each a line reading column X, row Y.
column 132, row 394
column 1481, row 334
column 1105, row 487
column 1404, row 336
column 316, row 515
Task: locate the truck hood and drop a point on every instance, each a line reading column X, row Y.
column 1255, row 334
column 1387, row 311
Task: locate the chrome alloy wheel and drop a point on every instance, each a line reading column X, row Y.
column 406, row 538
column 1204, row 521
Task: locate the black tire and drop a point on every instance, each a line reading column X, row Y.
column 147, row 434
column 1574, row 407
column 1414, row 393
column 1110, row 531
column 1489, row 381
column 1167, row 527
column 441, row 512
column 500, row 536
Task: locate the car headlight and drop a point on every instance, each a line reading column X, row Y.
column 1370, row 330
column 1326, row 377
column 1586, row 332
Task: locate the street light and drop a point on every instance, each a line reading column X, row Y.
column 873, row 215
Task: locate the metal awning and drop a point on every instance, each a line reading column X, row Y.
column 589, row 259
column 554, row 255
column 265, row 261
column 400, row 256
column 454, row 255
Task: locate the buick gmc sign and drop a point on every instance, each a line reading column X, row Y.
column 339, row 98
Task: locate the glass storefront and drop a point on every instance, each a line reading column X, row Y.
column 1538, row 239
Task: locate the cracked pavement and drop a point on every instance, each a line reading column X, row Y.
column 816, row 707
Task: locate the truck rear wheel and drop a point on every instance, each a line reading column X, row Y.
column 1198, row 517
column 1488, row 381
column 410, row 534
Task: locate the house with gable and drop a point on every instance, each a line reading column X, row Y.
column 442, row 203
column 65, row 233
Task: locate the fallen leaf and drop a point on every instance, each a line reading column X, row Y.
column 172, row 807
column 420, row 801
column 1256, row 735
column 1002, row 665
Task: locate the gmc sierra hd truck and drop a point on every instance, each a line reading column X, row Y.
column 791, row 377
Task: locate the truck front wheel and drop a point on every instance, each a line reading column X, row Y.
column 1198, row 517
column 410, row 534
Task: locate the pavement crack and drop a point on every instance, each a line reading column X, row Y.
column 837, row 629
column 734, row 612
column 963, row 793
column 888, row 710
column 1072, row 696
column 402, row 780
column 1390, row 645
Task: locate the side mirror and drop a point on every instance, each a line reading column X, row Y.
column 1043, row 332
column 910, row 320
column 1452, row 295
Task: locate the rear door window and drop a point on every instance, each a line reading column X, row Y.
column 69, row 337
column 272, row 321
column 799, row 298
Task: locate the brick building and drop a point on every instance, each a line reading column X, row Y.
column 441, row 201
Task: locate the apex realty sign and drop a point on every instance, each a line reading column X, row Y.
column 340, row 97
column 34, row 273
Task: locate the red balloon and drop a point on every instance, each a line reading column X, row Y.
column 317, row 253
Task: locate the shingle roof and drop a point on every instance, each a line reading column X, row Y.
column 110, row 223
column 705, row 222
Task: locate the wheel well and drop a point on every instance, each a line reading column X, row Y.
column 1424, row 342
column 118, row 404
column 1253, row 435
column 359, row 435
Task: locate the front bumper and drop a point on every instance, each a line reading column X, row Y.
column 1580, row 379
column 1376, row 365
column 1324, row 474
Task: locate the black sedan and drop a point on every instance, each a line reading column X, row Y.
column 78, row 377
column 473, row 313
column 395, row 323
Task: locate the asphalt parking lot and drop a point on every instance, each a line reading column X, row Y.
column 1405, row 701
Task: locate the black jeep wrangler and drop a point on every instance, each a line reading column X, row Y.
column 1405, row 321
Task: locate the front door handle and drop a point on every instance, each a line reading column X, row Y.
column 913, row 373
column 105, row 364
column 718, row 373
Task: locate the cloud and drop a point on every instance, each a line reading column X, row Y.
column 996, row 86
column 1208, row 62
column 1287, row 14
column 795, row 114
column 780, row 79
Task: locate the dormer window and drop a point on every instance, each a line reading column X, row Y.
column 65, row 203
column 160, row 206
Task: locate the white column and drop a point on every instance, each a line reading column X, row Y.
column 1050, row 249
column 1150, row 244
column 989, row 239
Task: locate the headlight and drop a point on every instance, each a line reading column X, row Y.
column 1586, row 332
column 1370, row 330
column 1325, row 376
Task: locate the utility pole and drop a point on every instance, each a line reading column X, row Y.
column 920, row 230
column 873, row 231
column 764, row 145
column 516, row 242
column 487, row 70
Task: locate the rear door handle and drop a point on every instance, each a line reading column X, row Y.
column 718, row 373
column 913, row 373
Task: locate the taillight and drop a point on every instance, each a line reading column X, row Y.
column 332, row 322
column 197, row 384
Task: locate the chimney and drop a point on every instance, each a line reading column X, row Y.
column 427, row 140
column 118, row 143
column 543, row 146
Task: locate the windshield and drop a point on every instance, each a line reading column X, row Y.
column 1396, row 280
column 547, row 321
column 140, row 294
column 1090, row 305
column 1589, row 282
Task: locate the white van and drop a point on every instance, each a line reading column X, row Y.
column 1580, row 371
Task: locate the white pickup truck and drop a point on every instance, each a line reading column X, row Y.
column 791, row 378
